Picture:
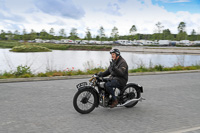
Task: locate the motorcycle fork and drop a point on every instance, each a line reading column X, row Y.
column 88, row 95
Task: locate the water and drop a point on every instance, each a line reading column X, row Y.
column 61, row 60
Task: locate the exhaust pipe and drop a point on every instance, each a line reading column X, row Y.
column 133, row 100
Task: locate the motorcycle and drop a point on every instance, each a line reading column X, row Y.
column 94, row 95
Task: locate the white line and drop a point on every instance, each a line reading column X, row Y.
column 186, row 130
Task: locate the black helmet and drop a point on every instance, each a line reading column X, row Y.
column 116, row 51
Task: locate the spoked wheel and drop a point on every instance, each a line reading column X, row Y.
column 85, row 101
column 130, row 92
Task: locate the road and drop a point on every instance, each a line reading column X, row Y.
column 172, row 105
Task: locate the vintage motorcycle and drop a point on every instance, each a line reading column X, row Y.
column 94, row 95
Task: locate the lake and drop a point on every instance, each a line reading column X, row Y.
column 63, row 59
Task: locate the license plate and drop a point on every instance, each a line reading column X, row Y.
column 81, row 85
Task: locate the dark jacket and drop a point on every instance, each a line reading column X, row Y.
column 120, row 71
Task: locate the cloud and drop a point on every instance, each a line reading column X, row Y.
column 64, row 8
column 31, row 10
column 57, row 22
column 122, row 1
column 7, row 25
column 111, row 8
column 45, row 14
column 11, row 17
column 6, row 14
column 175, row 1
column 2, row 5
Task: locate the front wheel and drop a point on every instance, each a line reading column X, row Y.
column 131, row 92
column 85, row 101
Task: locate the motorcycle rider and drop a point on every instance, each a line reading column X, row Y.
column 118, row 71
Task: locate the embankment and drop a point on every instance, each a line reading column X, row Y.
column 173, row 50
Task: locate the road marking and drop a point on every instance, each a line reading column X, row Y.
column 186, row 130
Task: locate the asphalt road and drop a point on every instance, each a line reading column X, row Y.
column 172, row 105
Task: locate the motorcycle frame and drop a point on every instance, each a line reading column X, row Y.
column 94, row 82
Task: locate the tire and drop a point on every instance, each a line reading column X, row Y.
column 131, row 92
column 85, row 98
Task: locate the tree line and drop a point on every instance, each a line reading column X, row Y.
column 159, row 34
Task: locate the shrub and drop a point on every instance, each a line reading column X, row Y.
column 79, row 72
column 26, row 76
column 22, row 70
column 158, row 67
column 7, row 75
column 179, row 68
column 58, row 74
column 166, row 69
column 42, row 75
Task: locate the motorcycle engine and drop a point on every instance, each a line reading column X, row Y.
column 102, row 84
column 104, row 99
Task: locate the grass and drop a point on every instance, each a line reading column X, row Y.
column 73, row 47
column 11, row 44
column 25, row 71
column 160, row 68
column 30, row 48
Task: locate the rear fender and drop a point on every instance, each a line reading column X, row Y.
column 137, row 86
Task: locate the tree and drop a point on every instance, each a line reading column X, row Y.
column 17, row 35
column 182, row 36
column 193, row 36
column 24, row 32
column 33, row 35
column 181, row 27
column 16, row 32
column 24, row 35
column 73, row 34
column 43, row 34
column 2, row 35
column 88, row 35
column 101, row 33
column 159, row 27
column 166, row 35
column 133, row 30
column 52, row 32
column 157, row 35
column 97, row 38
column 62, row 33
column 114, row 33
column 138, row 36
column 9, row 35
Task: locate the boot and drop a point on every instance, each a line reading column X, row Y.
column 114, row 104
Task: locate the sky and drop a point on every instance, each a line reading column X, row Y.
column 92, row 14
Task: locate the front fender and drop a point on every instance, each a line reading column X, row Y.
column 93, row 89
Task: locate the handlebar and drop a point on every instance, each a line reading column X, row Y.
column 96, row 77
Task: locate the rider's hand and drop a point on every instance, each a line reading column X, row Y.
column 100, row 74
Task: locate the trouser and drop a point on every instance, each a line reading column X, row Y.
column 110, row 85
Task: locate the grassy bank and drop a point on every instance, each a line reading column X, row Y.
column 30, row 48
column 11, row 44
column 160, row 68
column 73, row 47
column 25, row 71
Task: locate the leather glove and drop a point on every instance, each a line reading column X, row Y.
column 100, row 74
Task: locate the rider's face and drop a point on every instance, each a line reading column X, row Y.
column 113, row 55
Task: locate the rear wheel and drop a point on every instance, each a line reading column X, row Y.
column 131, row 92
column 85, row 101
